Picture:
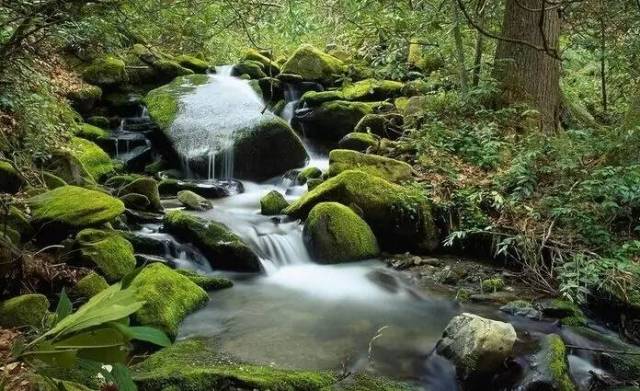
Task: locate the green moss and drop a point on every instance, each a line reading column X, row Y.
column 314, row 98
column 206, row 282
column 193, row 366
column 99, row 121
column 10, row 179
column 169, row 69
column 270, row 67
column 372, row 123
column 341, row 160
column 372, row 90
column 25, row 310
column 417, row 87
column 273, row 203
column 334, row 233
column 89, row 285
column 90, row 132
column 313, row 64
column 309, row 173
column 358, row 141
column 169, row 297
column 553, row 354
column 135, row 201
column 313, row 183
column 75, row 206
column 399, row 216
column 163, row 102
column 493, row 284
column 106, row 71
column 85, row 98
column 52, row 181
column 253, row 69
column 17, row 220
column 145, row 186
column 224, row 249
column 195, row 64
column 93, row 158
column 193, row 201
column 364, row 382
column 111, row 253
column 569, row 313
column 401, row 103
column 335, row 119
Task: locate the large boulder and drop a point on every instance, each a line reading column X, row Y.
column 218, row 127
column 25, row 310
column 193, row 201
column 273, row 203
column 372, row 90
column 395, row 171
column 223, row 249
column 106, row 72
column 358, row 141
column 477, row 346
column 399, row 216
column 10, row 179
column 126, row 185
column 111, row 253
column 195, row 64
column 334, row 233
column 270, row 67
column 169, row 297
column 94, row 160
column 313, row 64
column 75, row 206
column 549, row 369
column 253, row 69
column 334, row 119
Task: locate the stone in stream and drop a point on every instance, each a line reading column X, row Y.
column 193, row 201
column 218, row 127
column 313, row 65
column 549, row 368
column 358, row 141
column 137, row 184
column 220, row 189
column 269, row 66
column 308, row 173
column 273, row 203
column 334, row 234
column 399, row 216
column 395, row 171
column 106, row 72
column 223, row 249
column 476, row 346
column 111, row 253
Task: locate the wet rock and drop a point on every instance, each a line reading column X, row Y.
column 253, row 69
column 270, row 67
column 521, row 308
column 193, row 201
column 308, row 173
column 392, row 170
column 549, row 369
column 10, row 179
column 399, row 216
column 334, row 234
column 106, row 72
column 25, row 310
column 167, row 70
column 271, row 89
column 171, row 187
column 137, row 184
column 207, row 282
column 358, row 141
column 385, row 281
column 108, row 251
column 335, row 119
column 313, row 64
column 223, row 249
column 169, row 297
column 313, row 183
column 569, row 313
column 477, row 346
column 193, row 63
column 273, row 203
column 372, row 90
column 135, row 201
column 85, row 98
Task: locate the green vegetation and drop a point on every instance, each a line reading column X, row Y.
column 90, row 285
column 26, row 310
column 392, row 170
column 108, row 251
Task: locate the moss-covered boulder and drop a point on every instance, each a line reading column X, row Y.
column 270, row 67
column 195, row 64
column 308, row 173
column 549, row 369
column 89, row 286
column 316, row 98
column 106, row 72
column 372, row 90
column 193, row 201
column 135, row 201
column 334, row 119
column 273, row 203
column 93, row 158
column 169, row 297
column 193, row 365
column 207, row 282
column 569, row 313
column 25, row 310
column 358, row 141
column 372, row 123
column 145, row 186
column 334, row 233
column 83, row 99
column 52, row 181
column 75, row 206
column 10, row 179
column 111, row 253
column 399, row 216
column 253, row 69
column 90, row 132
column 395, row 171
column 171, row 188
column 223, row 249
column 313, row 64
column 168, row 70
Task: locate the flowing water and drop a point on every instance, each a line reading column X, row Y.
column 303, row 315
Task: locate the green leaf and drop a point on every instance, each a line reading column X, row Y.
column 104, row 337
column 143, row 333
column 122, row 378
column 64, row 307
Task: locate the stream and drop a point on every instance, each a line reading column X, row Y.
column 302, row 315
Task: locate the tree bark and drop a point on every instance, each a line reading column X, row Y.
column 530, row 73
column 477, row 58
column 457, row 35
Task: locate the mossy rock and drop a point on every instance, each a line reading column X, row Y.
column 106, row 72
column 52, row 181
column 313, row 183
column 334, row 234
column 372, row 90
column 493, row 284
column 193, row 201
column 399, row 216
column 273, row 203
column 99, row 121
column 85, row 98
column 417, row 87
column 17, row 220
column 75, row 206
column 90, row 132
column 112, row 254
column 93, row 158
column 253, row 69
column 145, row 186
column 192, row 365
column 395, row 171
column 313, row 64
column 163, row 102
column 135, row 201
column 171, row 188
column 372, row 123
column 169, row 297
column 168, row 70
column 335, row 119
column 308, row 173
column 316, row 98
column 26, row 310
column 66, row 166
column 271, row 89
column 89, row 286
column 550, row 369
column 223, row 249
column 195, row 64
column 206, row 282
column 358, row 141
column 10, row 179
column 270, row 67
column 569, row 313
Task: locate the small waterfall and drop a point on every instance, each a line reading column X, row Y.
column 211, row 170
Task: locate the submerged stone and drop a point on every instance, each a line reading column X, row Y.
column 169, row 297
column 75, row 207
column 273, row 203
column 25, row 310
column 395, row 171
column 193, row 201
column 334, row 233
column 550, row 369
column 399, row 216
column 111, row 253
column 223, row 249
column 313, row 64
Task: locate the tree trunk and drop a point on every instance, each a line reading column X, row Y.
column 526, row 64
column 457, row 35
column 477, row 58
